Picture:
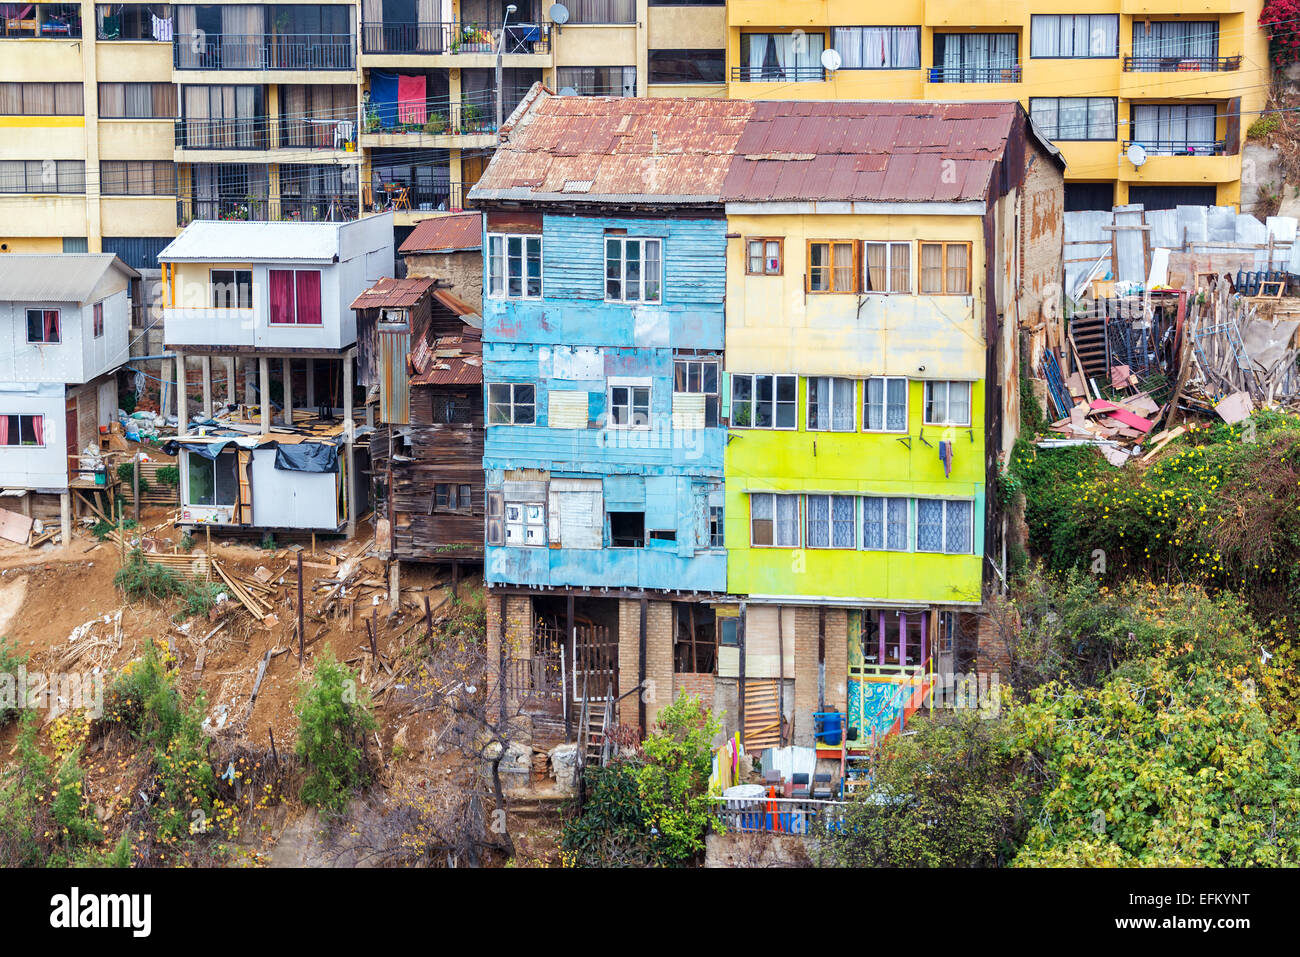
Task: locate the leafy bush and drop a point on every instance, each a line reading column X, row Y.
column 168, row 475
column 333, row 718
column 1278, row 18
column 1263, row 127
column 612, row 830
column 140, row 579
column 45, row 815
column 102, row 528
column 185, row 782
column 145, row 699
column 126, row 474
column 198, row 598
column 10, row 659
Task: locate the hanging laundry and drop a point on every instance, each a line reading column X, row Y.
column 945, row 456
column 383, row 98
column 162, row 29
column 410, row 100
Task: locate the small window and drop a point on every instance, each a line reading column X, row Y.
column 888, row 268
column 717, row 534
column 764, row 401
column 212, row 481
column 729, row 632
column 687, row 66
column 695, row 642
column 763, row 257
column 495, row 524
column 43, row 325
column 294, row 297
column 830, row 405
column 831, row 521
column 629, row 407
column 774, row 520
column 231, row 288
column 22, row 430
column 663, row 534
column 832, row 266
column 944, row 526
column 97, row 324
column 884, row 404
column 945, row 269
column 947, row 403
column 514, row 266
column 627, row 529
column 512, row 403
column 699, row 377
column 449, row 497
column 884, row 524
column 451, row 410
column 632, row 269
column 525, row 523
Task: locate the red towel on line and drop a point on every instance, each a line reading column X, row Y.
column 410, row 99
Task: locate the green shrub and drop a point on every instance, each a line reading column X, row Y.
column 1263, row 126
column 126, row 474
column 145, row 699
column 10, row 659
column 185, row 781
column 169, row 475
column 198, row 598
column 102, row 528
column 333, row 719
column 140, row 579
column 612, row 830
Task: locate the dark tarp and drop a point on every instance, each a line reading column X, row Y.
column 209, row 450
column 307, row 457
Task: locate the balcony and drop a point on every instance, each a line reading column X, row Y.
column 789, row 74
column 962, row 74
column 1174, row 64
column 321, row 208
column 295, row 52
column 1180, row 147
column 405, row 195
column 243, row 133
column 454, row 37
column 49, row 21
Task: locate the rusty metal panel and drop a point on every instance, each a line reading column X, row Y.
column 394, row 382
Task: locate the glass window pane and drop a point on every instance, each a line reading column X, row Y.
column 929, row 525
column 957, row 535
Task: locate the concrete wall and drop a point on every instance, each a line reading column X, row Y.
column 461, row 272
column 45, row 466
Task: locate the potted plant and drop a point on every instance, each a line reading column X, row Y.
column 436, row 123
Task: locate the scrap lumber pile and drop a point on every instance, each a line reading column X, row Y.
column 256, row 594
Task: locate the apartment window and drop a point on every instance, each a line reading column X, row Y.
column 1079, row 36
column 597, row 80
column 831, row 521
column 1074, row 117
column 878, row 48
column 830, row 405
column 97, row 321
column 602, row 11
column 695, row 638
column 512, row 403
column 514, row 266
column 223, row 117
column 884, row 404
column 231, row 288
column 764, row 401
column 781, row 57
column 58, row 21
column 294, row 297
column 717, row 536
column 975, row 58
column 525, row 523
column 138, row 101
column 947, row 403
column 687, row 66
column 945, row 269
column 627, row 529
column 774, row 520
column 944, row 526
column 698, row 377
column 763, row 257
column 632, row 269
column 133, row 21
column 1176, row 129
column 888, row 268
column 832, row 266
column 40, row 99
column 451, row 497
column 42, row 176
column 137, row 178
column 884, row 524
column 212, row 481
column 1176, row 41
column 629, row 406
column 43, row 325
column 22, row 430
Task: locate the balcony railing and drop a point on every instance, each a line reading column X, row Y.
column 965, row 74
column 1181, row 147
column 1180, row 64
column 51, row 21
column 767, row 74
column 454, row 37
column 438, row 118
column 292, row 51
column 244, row 133
column 404, row 195
column 337, row 207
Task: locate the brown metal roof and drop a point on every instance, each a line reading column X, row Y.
column 451, row 360
column 390, row 293
column 445, row 234
column 458, row 306
column 596, row 148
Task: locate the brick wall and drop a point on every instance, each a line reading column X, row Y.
column 991, row 653
column 518, row 632
column 805, row 674
column 695, row 684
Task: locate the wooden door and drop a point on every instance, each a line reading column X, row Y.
column 70, row 427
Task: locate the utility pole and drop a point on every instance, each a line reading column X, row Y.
column 501, row 46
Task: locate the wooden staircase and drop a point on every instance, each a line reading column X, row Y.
column 1088, row 333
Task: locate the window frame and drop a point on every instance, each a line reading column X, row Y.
column 712, row 400
column 885, row 524
column 296, row 323
column 717, row 526
column 501, row 261
column 890, row 245
column 29, row 417
column 644, row 242
column 808, row 403
column 798, row 523
column 830, row 245
column 830, row 498
column 235, row 274
column 753, row 401
column 943, row 527
column 524, row 524
column 920, row 267
column 453, row 496
column 926, row 401
column 1055, row 136
column 1073, row 56
column 97, row 321
column 780, row 255
column 633, row 386
column 58, row 327
column 884, row 408
column 512, row 402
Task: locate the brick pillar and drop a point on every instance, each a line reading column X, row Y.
column 991, row 653
column 629, row 629
column 805, row 675
column 659, row 657
column 837, row 659
column 518, row 634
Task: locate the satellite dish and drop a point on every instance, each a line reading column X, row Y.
column 568, row 91
column 558, row 13
column 1137, row 154
column 831, row 60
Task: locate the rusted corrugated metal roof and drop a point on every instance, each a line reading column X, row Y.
column 445, row 234
column 451, row 360
column 595, row 148
column 458, row 306
column 390, row 293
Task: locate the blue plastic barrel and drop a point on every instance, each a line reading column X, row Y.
column 831, row 728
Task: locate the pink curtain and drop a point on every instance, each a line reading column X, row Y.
column 52, row 325
column 281, row 283
column 4, row 430
column 38, row 428
column 410, row 99
column 309, row 298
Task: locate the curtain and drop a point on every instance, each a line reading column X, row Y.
column 896, row 404
column 897, row 530
column 958, row 269
column 957, row 532
column 1180, row 39
column 876, row 267
column 787, row 520
column 4, row 429
column 38, row 429
column 1167, row 129
column 843, row 267
column 242, row 36
column 139, row 100
column 900, row 267
column 873, row 523
column 186, row 22
column 280, row 282
column 411, row 99
column 878, row 48
column 307, row 289
column 51, row 325
column 372, row 17
column 842, row 521
column 430, row 32
column 293, row 111
column 972, row 57
column 929, row 525
column 782, row 56
column 818, row 521
column 931, row 268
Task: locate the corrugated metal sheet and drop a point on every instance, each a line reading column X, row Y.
column 567, row 409
column 394, row 381
column 390, row 293
column 61, row 277
column 446, row 234
column 451, row 360
column 240, row 241
column 138, row 252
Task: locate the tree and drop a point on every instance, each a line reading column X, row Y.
column 333, row 720
column 674, row 779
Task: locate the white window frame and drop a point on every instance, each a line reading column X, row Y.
column 527, row 516
column 499, row 265
column 644, row 243
column 890, row 248
column 853, row 403
column 512, row 403
column 20, row 444
column 943, row 527
column 947, row 403
column 830, row 522
column 752, row 402
column 712, row 399
column 632, row 385
column 798, row 523
column 884, row 405
column 885, row 500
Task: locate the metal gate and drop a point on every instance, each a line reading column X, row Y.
column 595, row 659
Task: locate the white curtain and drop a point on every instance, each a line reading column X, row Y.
column 1167, row 129
column 1181, row 39
column 781, row 56
column 1085, row 35
column 976, row 57
column 186, row 43
column 878, row 48
column 242, row 37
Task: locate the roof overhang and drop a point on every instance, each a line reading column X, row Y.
column 858, row 208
